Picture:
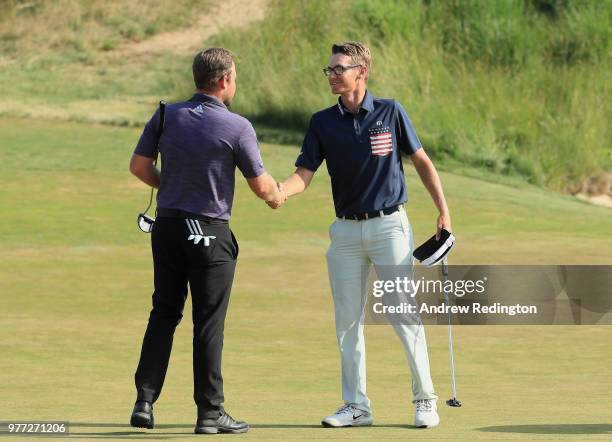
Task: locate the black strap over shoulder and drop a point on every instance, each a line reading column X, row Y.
column 160, row 129
column 160, row 126
column 162, row 119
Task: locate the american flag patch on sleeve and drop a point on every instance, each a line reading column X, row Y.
column 381, row 141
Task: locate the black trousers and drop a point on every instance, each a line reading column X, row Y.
column 201, row 253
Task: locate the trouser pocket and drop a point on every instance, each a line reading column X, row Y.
column 235, row 243
column 211, row 243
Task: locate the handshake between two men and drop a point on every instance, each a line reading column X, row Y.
column 282, row 197
column 276, row 193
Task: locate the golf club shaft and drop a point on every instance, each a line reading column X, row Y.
column 450, row 333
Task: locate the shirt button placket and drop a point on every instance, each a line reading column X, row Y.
column 357, row 127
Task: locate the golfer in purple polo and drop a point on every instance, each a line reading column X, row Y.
column 201, row 145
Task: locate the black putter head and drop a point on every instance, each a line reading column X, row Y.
column 453, row 402
column 432, row 251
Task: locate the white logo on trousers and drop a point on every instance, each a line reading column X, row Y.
column 196, row 232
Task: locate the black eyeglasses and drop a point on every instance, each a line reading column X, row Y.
column 339, row 69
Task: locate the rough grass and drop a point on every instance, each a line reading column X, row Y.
column 512, row 87
column 71, row 30
column 60, row 59
column 75, row 287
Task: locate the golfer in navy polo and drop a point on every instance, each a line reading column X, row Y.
column 201, row 145
column 361, row 139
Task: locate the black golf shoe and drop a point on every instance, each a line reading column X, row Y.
column 223, row 424
column 142, row 416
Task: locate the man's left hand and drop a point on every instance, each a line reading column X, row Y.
column 444, row 222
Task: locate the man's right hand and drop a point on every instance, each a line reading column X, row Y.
column 274, row 193
column 280, row 199
column 265, row 187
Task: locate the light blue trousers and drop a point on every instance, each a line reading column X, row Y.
column 355, row 246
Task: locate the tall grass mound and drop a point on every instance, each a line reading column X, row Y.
column 516, row 87
column 76, row 30
column 72, row 59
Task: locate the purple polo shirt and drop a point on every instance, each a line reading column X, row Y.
column 200, row 147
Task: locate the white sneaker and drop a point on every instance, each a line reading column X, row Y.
column 348, row 416
column 426, row 415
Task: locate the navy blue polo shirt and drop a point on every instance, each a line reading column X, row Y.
column 362, row 153
column 201, row 146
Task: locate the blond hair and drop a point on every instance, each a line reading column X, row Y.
column 359, row 53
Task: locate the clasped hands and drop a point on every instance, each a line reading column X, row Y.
column 280, row 198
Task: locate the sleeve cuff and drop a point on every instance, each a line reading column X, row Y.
column 254, row 173
column 414, row 151
column 145, row 154
column 306, row 166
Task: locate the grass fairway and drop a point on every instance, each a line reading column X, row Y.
column 76, row 281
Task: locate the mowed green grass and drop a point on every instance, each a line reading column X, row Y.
column 76, row 281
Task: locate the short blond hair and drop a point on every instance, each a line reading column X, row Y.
column 359, row 53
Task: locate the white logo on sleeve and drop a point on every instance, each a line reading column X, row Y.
column 196, row 232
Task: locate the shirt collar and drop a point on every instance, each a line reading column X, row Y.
column 204, row 98
column 367, row 104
